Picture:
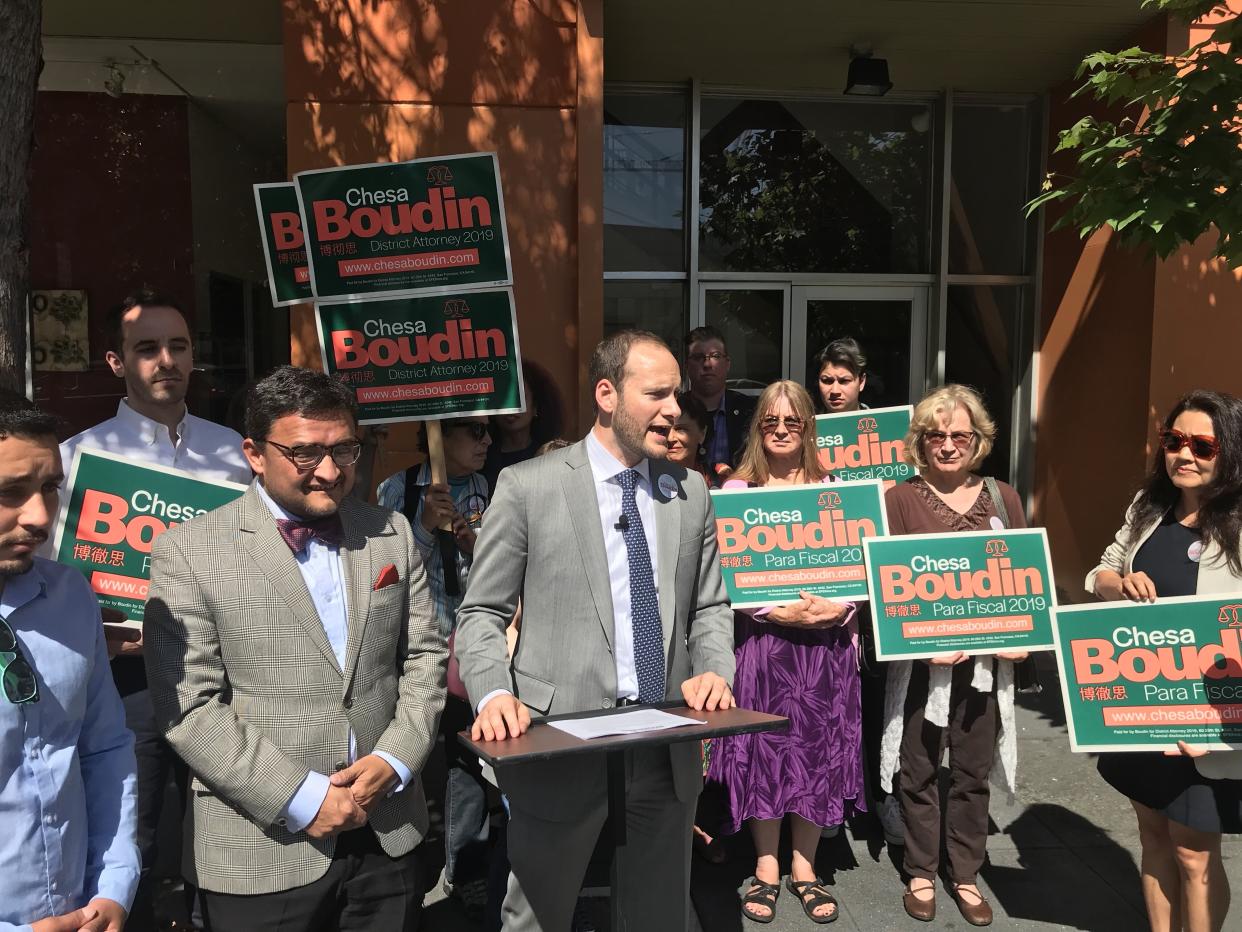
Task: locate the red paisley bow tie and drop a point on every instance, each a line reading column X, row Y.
column 297, row 534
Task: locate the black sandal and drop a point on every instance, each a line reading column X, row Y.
column 761, row 894
column 813, row 894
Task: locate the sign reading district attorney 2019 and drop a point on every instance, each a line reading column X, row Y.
column 425, row 358
column 114, row 509
column 430, row 225
column 1141, row 677
column 978, row 592
column 866, row 444
column 778, row 542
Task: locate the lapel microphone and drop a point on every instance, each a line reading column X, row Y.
column 623, row 523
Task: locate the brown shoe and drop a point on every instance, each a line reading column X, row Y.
column 920, row 909
column 978, row 914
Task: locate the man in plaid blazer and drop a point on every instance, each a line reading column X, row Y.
column 297, row 667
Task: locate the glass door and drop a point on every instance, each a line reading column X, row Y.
column 754, row 320
column 889, row 323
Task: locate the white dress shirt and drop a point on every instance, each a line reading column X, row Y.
column 320, row 566
column 203, row 448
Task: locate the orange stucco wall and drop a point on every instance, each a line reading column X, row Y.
column 384, row 80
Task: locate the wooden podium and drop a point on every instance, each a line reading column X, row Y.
column 542, row 742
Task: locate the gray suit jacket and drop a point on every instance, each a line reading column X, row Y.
column 248, row 692
column 542, row 540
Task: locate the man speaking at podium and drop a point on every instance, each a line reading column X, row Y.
column 622, row 603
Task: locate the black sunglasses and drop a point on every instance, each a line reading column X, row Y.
column 16, row 673
column 476, row 430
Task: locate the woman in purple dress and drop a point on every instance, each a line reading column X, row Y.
column 800, row 661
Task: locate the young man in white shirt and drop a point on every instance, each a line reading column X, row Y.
column 151, row 349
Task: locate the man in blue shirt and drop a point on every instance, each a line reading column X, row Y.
column 68, row 856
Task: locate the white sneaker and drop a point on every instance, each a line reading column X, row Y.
column 891, row 822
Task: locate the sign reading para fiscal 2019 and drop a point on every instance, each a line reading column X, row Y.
column 426, row 358
column 284, row 246
column 114, row 509
column 1143, row 676
column 978, row 592
column 866, row 444
column 778, row 542
column 429, row 225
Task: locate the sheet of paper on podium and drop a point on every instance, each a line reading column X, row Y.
column 623, row 723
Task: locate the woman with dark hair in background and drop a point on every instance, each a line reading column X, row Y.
column 518, row 437
column 1182, row 537
column 801, row 661
column 840, row 376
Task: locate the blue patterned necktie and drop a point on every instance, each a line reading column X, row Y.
column 644, row 606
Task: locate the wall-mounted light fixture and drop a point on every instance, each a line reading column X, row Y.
column 868, row 76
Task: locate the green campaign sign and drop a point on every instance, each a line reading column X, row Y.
column 978, row 592
column 113, row 510
column 778, row 542
column 284, row 246
column 865, row 444
column 426, row 358
column 429, row 225
column 1142, row 676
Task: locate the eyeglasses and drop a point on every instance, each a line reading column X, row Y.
column 960, row 438
column 793, row 423
column 310, row 455
column 1202, row 447
column 700, row 358
column 16, row 673
column 476, row 430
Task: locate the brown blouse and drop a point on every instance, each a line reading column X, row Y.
column 914, row 508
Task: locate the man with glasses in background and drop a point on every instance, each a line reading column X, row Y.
column 150, row 348
column 68, row 857
column 297, row 667
column 728, row 411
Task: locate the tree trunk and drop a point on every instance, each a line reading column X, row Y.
column 21, row 59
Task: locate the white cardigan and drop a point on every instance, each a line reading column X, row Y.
column 1215, row 578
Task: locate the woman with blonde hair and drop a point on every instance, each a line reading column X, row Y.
column 951, row 700
column 801, row 661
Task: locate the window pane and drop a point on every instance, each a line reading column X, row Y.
column 812, row 186
column 753, row 324
column 656, row 306
column 991, row 155
column 644, row 182
column 981, row 351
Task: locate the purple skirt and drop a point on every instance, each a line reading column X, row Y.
column 814, row 768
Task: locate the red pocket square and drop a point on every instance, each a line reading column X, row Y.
column 387, row 577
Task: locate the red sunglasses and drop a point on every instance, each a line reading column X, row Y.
column 1202, row 447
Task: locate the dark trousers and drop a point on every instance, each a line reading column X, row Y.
column 364, row 890
column 971, row 740
column 872, row 683
column 467, row 822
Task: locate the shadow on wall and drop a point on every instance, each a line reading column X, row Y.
column 379, row 80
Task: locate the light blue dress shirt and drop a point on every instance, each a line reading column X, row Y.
column 324, row 576
column 67, row 770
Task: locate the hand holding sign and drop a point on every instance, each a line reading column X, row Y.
column 809, row 612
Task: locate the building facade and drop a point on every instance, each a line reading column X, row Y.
column 664, row 166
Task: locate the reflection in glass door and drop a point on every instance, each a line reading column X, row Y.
column 889, row 323
column 754, row 319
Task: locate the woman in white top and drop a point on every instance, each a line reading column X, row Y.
column 1181, row 537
